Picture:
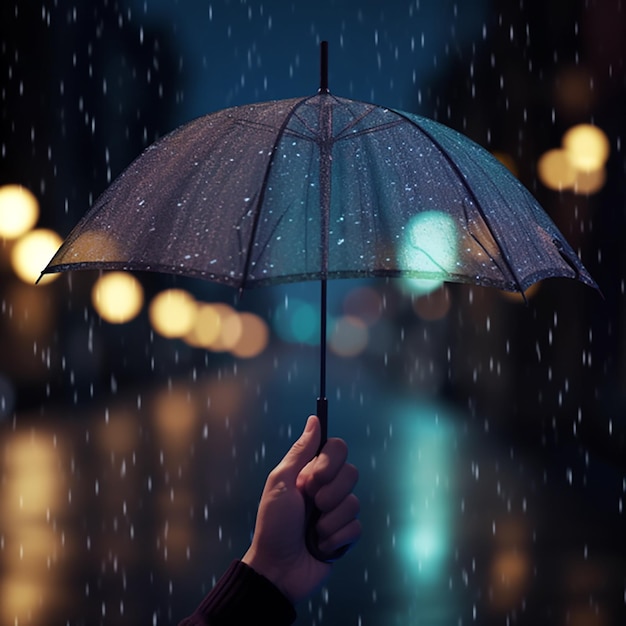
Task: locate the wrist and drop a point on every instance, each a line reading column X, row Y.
column 260, row 565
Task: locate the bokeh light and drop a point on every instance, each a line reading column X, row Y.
column 349, row 337
column 230, row 328
column 253, row 338
column 297, row 322
column 206, row 328
column 31, row 254
column 175, row 417
column 430, row 248
column 587, row 147
column 590, row 182
column 173, row 312
column 117, row 297
column 579, row 164
column 555, row 170
column 19, row 211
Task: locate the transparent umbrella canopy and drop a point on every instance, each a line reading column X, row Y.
column 316, row 188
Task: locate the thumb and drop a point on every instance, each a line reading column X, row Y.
column 303, row 450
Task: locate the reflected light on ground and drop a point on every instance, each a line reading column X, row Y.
column 117, row 297
column 509, row 575
column 349, row 337
column 175, row 417
column 19, row 211
column 425, row 541
column 31, row 254
column 510, row 566
column 30, row 545
column 254, row 336
column 173, row 312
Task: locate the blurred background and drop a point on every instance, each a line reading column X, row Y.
column 140, row 414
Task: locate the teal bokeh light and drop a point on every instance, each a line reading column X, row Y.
column 429, row 251
column 297, row 321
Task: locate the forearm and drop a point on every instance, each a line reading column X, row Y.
column 240, row 597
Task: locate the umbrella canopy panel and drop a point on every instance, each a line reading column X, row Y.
column 320, row 187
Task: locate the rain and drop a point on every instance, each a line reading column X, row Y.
column 141, row 412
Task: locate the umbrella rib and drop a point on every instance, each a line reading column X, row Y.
column 464, row 181
column 480, row 244
column 262, row 190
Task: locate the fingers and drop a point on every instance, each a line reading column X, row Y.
column 332, row 494
column 301, row 452
column 345, row 536
column 323, row 469
column 339, row 517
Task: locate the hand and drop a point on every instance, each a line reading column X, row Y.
column 278, row 550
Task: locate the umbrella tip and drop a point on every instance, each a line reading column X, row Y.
column 324, row 68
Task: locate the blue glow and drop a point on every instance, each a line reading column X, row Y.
column 429, row 251
column 297, row 322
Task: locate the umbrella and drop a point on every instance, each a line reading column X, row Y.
column 316, row 188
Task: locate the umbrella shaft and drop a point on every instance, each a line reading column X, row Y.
column 322, row 402
column 325, row 184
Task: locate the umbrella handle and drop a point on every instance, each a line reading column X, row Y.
column 311, row 537
column 312, row 513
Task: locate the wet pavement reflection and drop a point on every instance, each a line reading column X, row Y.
column 127, row 513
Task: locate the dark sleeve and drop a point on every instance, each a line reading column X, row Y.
column 242, row 597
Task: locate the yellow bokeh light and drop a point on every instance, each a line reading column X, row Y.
column 231, row 328
column 19, row 211
column 206, row 327
column 556, row 171
column 587, row 147
column 175, row 417
column 253, row 338
column 588, row 183
column 117, row 297
column 31, row 254
column 173, row 313
column 222, row 327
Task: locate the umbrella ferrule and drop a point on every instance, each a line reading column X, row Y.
column 323, row 68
